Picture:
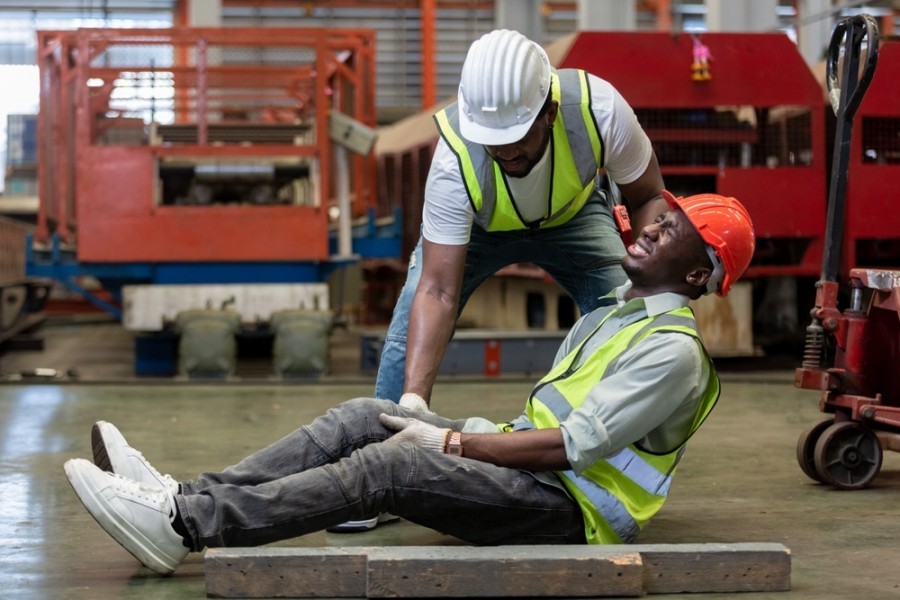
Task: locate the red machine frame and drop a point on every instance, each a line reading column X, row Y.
column 872, row 236
column 652, row 70
column 102, row 198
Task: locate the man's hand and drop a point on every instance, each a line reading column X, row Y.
column 415, row 432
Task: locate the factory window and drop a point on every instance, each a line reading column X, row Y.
column 18, row 135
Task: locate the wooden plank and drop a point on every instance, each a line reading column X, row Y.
column 495, row 572
column 286, row 572
column 503, row 571
column 721, row 568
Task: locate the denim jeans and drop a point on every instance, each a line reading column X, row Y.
column 336, row 469
column 583, row 256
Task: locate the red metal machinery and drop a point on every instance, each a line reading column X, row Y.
column 754, row 130
column 851, row 356
column 198, row 145
column 872, row 235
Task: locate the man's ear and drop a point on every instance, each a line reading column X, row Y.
column 698, row 277
column 552, row 111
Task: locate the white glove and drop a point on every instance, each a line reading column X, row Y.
column 415, row 432
column 413, row 401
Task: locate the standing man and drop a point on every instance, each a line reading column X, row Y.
column 589, row 460
column 514, row 179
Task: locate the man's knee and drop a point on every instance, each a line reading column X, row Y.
column 367, row 406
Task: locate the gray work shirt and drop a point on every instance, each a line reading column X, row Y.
column 650, row 397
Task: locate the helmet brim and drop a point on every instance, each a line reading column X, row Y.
column 491, row 136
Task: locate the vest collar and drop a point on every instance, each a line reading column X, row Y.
column 654, row 305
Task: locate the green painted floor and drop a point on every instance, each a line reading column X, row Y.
column 739, row 481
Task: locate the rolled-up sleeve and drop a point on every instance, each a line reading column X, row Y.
column 654, row 386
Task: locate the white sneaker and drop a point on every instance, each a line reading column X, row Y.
column 363, row 524
column 112, row 453
column 137, row 516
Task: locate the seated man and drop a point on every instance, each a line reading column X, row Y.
column 590, row 459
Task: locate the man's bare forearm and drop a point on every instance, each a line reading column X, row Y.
column 647, row 212
column 644, row 196
column 431, row 321
column 534, row 450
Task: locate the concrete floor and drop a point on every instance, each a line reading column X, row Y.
column 739, row 481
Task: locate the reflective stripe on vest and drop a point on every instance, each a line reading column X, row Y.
column 614, row 512
column 577, row 154
column 618, row 494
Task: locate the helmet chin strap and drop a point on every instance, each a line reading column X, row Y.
column 718, row 273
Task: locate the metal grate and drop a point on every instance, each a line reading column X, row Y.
column 739, row 136
column 881, row 140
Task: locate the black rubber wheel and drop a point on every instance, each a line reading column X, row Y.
column 848, row 455
column 806, row 448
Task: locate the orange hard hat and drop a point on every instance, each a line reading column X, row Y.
column 725, row 226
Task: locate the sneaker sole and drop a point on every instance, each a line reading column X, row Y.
column 364, row 525
column 124, row 533
column 98, row 447
column 354, row 526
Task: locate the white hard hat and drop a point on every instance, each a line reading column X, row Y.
column 505, row 81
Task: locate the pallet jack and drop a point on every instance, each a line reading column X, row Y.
column 853, row 356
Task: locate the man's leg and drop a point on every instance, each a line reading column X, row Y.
column 584, row 256
column 335, row 434
column 474, row 501
column 143, row 517
column 391, row 367
column 332, row 436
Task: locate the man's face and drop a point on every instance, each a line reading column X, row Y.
column 518, row 158
column 664, row 253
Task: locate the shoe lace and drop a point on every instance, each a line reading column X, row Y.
column 167, row 480
column 141, row 491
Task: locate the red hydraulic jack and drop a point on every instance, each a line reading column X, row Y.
column 852, row 357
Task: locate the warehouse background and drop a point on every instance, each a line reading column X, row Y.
column 59, row 227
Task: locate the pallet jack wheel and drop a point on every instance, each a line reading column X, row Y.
column 806, row 448
column 848, row 455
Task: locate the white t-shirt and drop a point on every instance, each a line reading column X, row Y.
column 447, row 215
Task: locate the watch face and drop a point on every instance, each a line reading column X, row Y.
column 453, row 445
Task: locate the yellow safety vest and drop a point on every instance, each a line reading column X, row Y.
column 577, row 154
column 620, row 493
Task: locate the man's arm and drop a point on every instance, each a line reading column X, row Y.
column 644, row 196
column 532, row 450
column 433, row 314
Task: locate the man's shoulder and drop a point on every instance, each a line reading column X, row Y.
column 591, row 76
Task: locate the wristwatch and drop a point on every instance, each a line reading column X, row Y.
column 454, row 444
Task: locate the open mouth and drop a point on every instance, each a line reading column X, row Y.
column 638, row 250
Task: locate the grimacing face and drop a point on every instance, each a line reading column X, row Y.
column 518, row 158
column 665, row 253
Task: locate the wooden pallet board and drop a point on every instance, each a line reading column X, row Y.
column 496, row 572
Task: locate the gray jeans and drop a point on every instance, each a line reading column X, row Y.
column 336, row 469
